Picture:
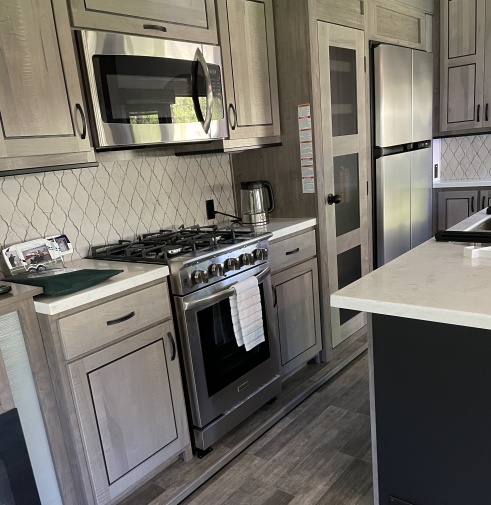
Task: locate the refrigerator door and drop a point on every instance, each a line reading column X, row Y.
column 393, row 95
column 393, row 201
column 422, row 103
column 421, row 189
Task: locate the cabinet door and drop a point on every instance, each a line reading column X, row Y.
column 296, row 295
column 192, row 20
column 249, row 67
column 462, row 64
column 484, row 198
column 130, row 407
column 455, row 206
column 40, row 98
column 344, row 144
column 395, row 23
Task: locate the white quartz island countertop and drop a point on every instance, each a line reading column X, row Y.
column 133, row 275
column 433, row 282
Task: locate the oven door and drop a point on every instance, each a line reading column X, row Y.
column 219, row 373
column 147, row 90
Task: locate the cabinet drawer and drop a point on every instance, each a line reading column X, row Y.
column 292, row 250
column 92, row 328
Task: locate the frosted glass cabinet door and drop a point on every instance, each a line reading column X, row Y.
column 342, row 83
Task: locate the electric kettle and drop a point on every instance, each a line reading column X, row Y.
column 253, row 208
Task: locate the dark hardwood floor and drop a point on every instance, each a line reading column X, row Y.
column 319, row 454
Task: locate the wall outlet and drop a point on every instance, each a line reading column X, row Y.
column 210, row 209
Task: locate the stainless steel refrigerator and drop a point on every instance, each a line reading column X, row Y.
column 402, row 109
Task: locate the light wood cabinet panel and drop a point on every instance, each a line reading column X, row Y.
column 455, row 206
column 40, row 98
column 109, row 321
column 462, row 66
column 192, row 20
column 122, row 405
column 399, row 24
column 296, row 295
column 130, row 406
column 292, row 250
column 343, row 12
column 249, row 66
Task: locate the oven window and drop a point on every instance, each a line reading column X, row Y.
column 148, row 90
column 224, row 361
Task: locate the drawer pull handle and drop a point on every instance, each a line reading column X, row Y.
column 121, row 319
column 275, row 296
column 173, row 343
column 155, row 27
column 293, row 252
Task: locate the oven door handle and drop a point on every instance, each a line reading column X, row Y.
column 221, row 295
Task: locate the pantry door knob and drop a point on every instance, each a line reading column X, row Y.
column 333, row 199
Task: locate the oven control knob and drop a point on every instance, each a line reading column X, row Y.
column 200, row 276
column 247, row 259
column 217, row 270
column 232, row 264
column 261, row 254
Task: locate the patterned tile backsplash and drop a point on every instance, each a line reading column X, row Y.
column 465, row 158
column 116, row 200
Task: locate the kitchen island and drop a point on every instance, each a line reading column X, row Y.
column 430, row 370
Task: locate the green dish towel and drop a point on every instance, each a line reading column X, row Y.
column 64, row 283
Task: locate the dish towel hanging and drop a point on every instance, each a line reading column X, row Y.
column 247, row 313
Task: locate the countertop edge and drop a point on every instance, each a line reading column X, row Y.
column 111, row 287
column 461, row 184
column 290, row 229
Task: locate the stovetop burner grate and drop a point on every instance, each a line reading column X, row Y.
column 163, row 245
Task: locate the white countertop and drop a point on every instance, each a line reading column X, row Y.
column 462, row 184
column 433, row 282
column 282, row 227
column 135, row 274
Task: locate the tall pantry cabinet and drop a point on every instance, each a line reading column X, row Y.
column 321, row 73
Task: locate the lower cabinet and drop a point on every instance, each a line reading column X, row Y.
column 458, row 204
column 129, row 404
column 296, row 303
column 121, row 398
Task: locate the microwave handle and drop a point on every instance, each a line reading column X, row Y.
column 209, row 90
column 221, row 295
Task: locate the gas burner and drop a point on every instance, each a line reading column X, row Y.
column 167, row 244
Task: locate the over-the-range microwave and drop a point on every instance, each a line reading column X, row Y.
column 151, row 91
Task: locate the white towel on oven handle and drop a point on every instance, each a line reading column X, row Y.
column 247, row 314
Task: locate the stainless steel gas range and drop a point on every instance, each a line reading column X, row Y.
column 225, row 383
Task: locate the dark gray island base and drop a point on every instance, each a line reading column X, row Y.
column 432, row 387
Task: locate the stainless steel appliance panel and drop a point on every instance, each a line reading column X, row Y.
column 206, row 408
column 422, row 102
column 393, row 187
column 421, row 196
column 393, row 95
column 102, row 44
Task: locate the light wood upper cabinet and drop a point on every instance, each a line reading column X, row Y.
column 41, row 105
column 400, row 24
column 249, row 67
column 192, row 20
column 464, row 69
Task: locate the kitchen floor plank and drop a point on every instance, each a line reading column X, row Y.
column 351, row 486
column 318, row 454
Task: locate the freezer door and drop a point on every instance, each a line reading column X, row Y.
column 393, row 206
column 393, row 95
column 422, row 103
column 421, row 190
